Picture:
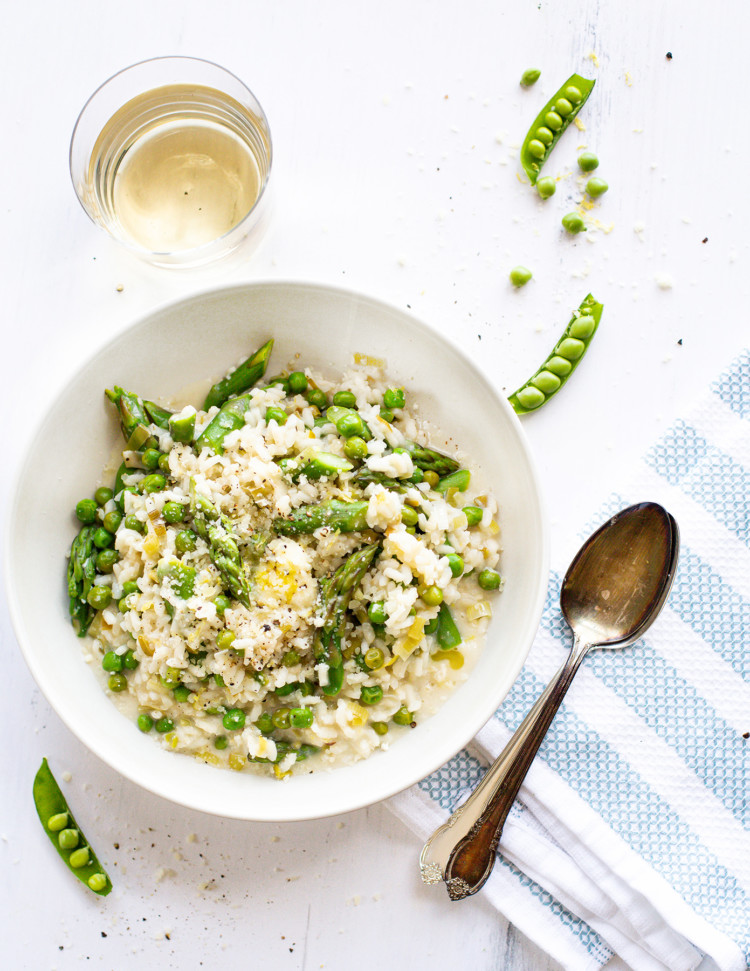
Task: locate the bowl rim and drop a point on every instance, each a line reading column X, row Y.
column 354, row 799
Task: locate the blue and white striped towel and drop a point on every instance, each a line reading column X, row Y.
column 631, row 835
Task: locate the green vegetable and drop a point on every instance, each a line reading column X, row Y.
column 317, row 398
column 348, row 422
column 429, row 459
column 221, row 603
column 432, row 595
column 276, row 414
column 155, row 482
column 51, row 807
column 297, row 382
column 546, row 186
column 182, row 429
column 240, row 379
column 336, row 593
column 596, row 187
column 145, row 723
column 346, row 517
column 234, row 720
column 102, row 495
column 99, row 597
column 587, row 162
column 133, row 522
column 380, row 728
column 164, row 725
column 180, row 576
column 173, row 512
column 409, row 516
column 394, row 398
column 403, row 716
column 563, row 360
column 371, row 694
column 456, row 563
column 225, row 639
column 222, row 545
column 345, row 399
column 112, row 520
column 473, row 515
column 520, row 276
column 102, row 538
column 376, row 612
column 317, row 465
column 355, row 448
column 573, row 223
column 106, row 559
column 300, row 717
column 229, row 418
column 447, row 633
column 86, row 511
column 374, row 658
column 117, row 682
column 529, row 77
column 551, row 122
column 489, row 580
column 281, row 718
column 134, row 421
column 185, row 541
column 112, row 662
column 456, row 480
column 158, row 415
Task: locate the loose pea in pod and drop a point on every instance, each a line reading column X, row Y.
column 551, row 122
column 59, row 824
column 563, row 360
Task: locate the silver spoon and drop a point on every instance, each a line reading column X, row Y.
column 613, row 591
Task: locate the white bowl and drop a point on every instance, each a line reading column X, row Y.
column 182, row 344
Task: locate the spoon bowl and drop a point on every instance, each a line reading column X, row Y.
column 612, row 592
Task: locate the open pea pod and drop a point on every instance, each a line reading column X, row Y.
column 551, row 122
column 564, row 359
column 65, row 835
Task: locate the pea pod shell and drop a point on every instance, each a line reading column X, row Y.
column 531, row 160
column 566, row 355
column 49, row 802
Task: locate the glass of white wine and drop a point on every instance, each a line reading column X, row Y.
column 172, row 157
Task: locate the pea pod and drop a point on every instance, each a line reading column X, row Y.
column 551, row 122
column 564, row 359
column 57, row 819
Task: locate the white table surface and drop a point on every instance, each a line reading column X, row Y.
column 396, row 129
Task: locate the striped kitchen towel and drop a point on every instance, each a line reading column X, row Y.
column 631, row 835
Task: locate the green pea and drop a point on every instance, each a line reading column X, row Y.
column 587, row 162
column 573, row 223
column 553, row 120
column 290, row 659
column 99, row 597
column 164, row 725
column 57, row 822
column 97, row 882
column 86, row 511
column 380, row 728
column 134, row 523
column 112, row 520
column 145, row 723
column 130, row 586
column 394, row 398
column 68, row 839
column 355, row 448
column 530, row 76
column 431, row 478
column 185, row 541
column 473, row 515
column 279, row 380
column 221, row 742
column 544, row 135
column 346, row 399
column 103, row 538
column 317, row 398
column 181, row 693
column 387, row 415
column 371, row 694
column 106, row 559
column 417, row 475
column 546, row 381
column 150, row 459
column 536, row 148
column 559, row 366
column 376, row 612
column 409, row 516
column 224, row 640
column 164, row 463
column 596, row 187
column 546, row 186
column 171, row 677
column 350, row 425
column 573, row 94
column 432, row 595
column 222, row 603
column 300, row 717
column 489, row 579
column 79, row 857
column 374, row 658
column 265, row 723
column 112, row 662
column 297, row 382
column 234, row 720
column 583, row 327
column 173, row 512
column 153, row 483
column 530, row 398
column 520, row 276
column 563, row 107
column 102, row 495
column 403, row 716
column 456, row 564
column 117, row 682
column 276, row 414
column 286, row 689
column 570, row 348
column 129, row 661
column 280, row 718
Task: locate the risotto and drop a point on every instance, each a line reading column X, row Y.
column 287, row 579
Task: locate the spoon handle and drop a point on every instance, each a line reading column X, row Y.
column 462, row 851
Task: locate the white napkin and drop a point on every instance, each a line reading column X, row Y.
column 631, row 834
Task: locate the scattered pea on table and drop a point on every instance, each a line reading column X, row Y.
column 520, row 276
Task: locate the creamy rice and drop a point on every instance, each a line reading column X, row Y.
column 185, row 682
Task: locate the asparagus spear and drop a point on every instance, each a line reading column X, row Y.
column 81, row 574
column 336, row 593
column 429, row 459
column 316, row 465
column 222, row 545
column 134, row 419
column 364, row 477
column 158, row 415
column 231, row 416
column 241, row 379
column 346, row 517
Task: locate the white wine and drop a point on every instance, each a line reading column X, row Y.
column 178, row 167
